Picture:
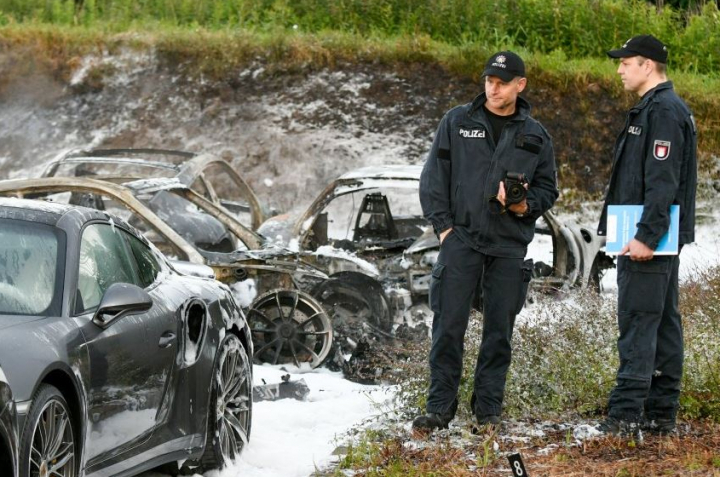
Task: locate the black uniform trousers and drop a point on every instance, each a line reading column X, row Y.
column 455, row 277
column 651, row 339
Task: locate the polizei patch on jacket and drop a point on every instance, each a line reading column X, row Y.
column 473, row 133
column 661, row 150
column 635, row 130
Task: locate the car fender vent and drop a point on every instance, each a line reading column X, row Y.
column 194, row 323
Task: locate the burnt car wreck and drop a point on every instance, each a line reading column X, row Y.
column 374, row 214
column 357, row 262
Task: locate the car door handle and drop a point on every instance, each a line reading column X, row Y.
column 166, row 340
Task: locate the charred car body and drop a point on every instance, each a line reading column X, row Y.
column 118, row 363
column 210, row 176
column 375, row 213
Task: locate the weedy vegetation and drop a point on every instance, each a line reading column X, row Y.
column 564, row 365
column 579, row 28
column 565, row 355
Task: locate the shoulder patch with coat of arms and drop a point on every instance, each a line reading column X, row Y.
column 661, row 150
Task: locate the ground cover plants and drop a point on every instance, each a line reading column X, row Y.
column 564, row 364
column 546, row 451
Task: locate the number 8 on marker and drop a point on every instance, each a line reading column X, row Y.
column 517, row 466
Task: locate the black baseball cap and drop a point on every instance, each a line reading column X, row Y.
column 506, row 65
column 642, row 45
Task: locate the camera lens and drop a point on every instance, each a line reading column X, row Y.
column 516, row 192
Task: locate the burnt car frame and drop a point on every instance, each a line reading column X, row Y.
column 288, row 324
column 207, row 174
column 354, row 293
column 118, row 362
column 403, row 246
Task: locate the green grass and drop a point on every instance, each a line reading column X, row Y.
column 223, row 51
column 579, row 28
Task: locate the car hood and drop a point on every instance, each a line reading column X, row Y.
column 272, row 258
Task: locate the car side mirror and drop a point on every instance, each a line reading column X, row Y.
column 119, row 300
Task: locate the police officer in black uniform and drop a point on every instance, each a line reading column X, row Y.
column 655, row 166
column 462, row 192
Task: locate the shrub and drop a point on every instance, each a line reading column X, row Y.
column 565, row 356
column 579, row 28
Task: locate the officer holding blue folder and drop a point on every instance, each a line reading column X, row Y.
column 655, row 166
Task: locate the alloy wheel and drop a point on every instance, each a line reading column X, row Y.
column 290, row 327
column 234, row 394
column 52, row 453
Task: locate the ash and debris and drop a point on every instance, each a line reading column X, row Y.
column 285, row 389
column 368, row 355
column 542, row 444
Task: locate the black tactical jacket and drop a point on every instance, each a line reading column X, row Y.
column 655, row 165
column 463, row 171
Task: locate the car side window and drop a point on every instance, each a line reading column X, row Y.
column 104, row 260
column 147, row 264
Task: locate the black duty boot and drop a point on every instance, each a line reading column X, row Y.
column 660, row 426
column 613, row 426
column 429, row 422
column 489, row 424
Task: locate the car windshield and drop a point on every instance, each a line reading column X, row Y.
column 29, row 268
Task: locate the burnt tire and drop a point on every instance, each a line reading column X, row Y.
column 230, row 413
column 354, row 297
column 48, row 446
column 289, row 327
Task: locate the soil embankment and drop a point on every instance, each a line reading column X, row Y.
column 289, row 132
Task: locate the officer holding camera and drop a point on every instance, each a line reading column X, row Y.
column 488, row 177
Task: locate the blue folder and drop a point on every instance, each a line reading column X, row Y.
column 622, row 223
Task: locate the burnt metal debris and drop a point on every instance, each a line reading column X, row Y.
column 285, row 389
column 367, row 232
column 362, row 251
column 385, row 229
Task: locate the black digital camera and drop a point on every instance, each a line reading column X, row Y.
column 515, row 191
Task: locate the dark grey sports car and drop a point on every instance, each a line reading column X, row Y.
column 117, row 361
